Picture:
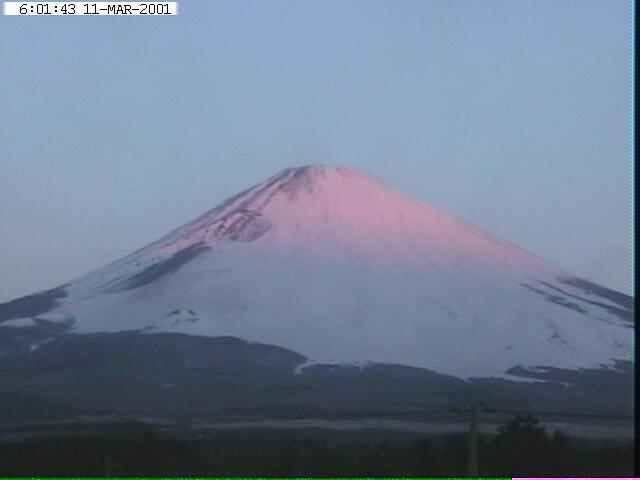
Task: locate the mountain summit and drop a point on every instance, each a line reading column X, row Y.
column 331, row 265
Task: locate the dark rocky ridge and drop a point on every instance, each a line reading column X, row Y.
column 32, row 305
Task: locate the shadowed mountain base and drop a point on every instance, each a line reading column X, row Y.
column 193, row 379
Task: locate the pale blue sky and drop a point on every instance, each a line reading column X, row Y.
column 512, row 115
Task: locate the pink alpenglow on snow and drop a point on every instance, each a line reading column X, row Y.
column 333, row 264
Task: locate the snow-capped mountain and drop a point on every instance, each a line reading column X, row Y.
column 331, row 264
column 328, row 262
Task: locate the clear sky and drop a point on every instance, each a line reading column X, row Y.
column 512, row 115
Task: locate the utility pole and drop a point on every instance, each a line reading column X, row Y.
column 474, row 410
column 107, row 466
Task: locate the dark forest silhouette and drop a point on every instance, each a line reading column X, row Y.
column 521, row 448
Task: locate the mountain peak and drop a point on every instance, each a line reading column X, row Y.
column 322, row 169
column 327, row 261
column 335, row 210
column 307, row 176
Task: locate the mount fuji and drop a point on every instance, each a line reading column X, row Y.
column 318, row 290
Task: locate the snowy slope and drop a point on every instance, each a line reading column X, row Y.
column 329, row 262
